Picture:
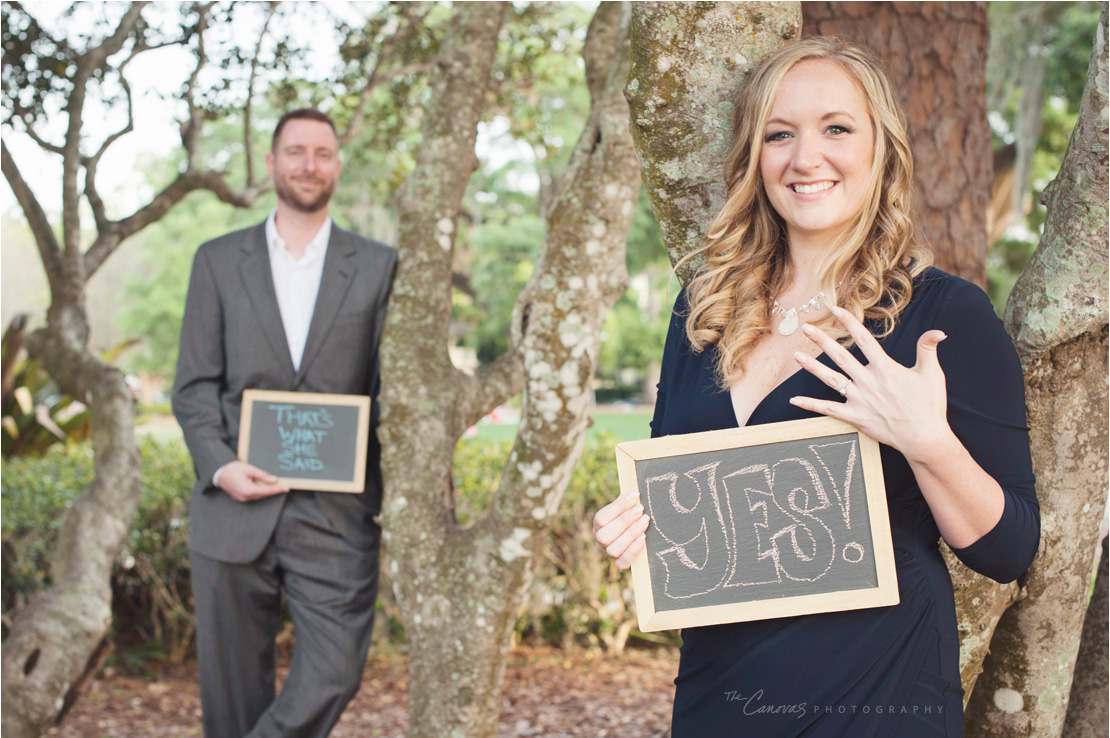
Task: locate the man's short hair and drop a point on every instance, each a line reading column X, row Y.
column 301, row 114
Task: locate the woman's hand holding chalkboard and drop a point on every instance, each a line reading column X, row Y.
column 247, row 483
column 619, row 528
column 903, row 407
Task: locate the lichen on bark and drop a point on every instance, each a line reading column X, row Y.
column 688, row 61
column 460, row 587
column 1063, row 290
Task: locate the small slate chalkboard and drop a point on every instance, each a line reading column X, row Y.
column 307, row 440
column 761, row 522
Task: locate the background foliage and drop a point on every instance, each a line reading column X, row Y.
column 1052, row 39
column 580, row 599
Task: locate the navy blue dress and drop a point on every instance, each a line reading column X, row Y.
column 888, row 671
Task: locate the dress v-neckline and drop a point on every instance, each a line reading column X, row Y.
column 732, row 408
column 822, row 357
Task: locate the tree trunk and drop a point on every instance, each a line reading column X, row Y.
column 688, row 61
column 1058, row 315
column 460, row 588
column 936, row 54
column 1088, row 707
column 56, row 636
column 453, row 686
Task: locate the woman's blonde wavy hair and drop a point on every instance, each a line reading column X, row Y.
column 870, row 268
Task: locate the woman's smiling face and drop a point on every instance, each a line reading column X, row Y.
column 817, row 151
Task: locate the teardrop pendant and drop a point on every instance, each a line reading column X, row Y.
column 789, row 323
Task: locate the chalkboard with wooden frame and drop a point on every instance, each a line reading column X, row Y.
column 761, row 522
column 307, row 440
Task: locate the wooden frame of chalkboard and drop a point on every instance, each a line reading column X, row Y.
column 763, row 522
column 290, row 435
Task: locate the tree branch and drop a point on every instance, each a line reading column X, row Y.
column 127, row 128
column 93, row 161
column 47, row 243
column 87, row 64
column 99, row 210
column 378, row 77
column 495, row 384
column 98, row 55
column 30, row 131
column 190, row 129
column 579, row 274
column 1061, row 293
column 248, row 133
column 116, row 232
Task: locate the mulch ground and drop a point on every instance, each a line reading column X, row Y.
column 547, row 693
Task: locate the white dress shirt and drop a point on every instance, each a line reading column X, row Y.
column 297, row 283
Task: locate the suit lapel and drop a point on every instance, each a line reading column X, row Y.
column 258, row 283
column 339, row 272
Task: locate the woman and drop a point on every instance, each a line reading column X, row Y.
column 818, row 216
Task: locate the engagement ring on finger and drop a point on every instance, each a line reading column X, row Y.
column 844, row 390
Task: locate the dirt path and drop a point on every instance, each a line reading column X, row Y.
column 547, row 694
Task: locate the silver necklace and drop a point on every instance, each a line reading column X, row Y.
column 789, row 322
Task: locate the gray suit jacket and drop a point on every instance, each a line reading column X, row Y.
column 232, row 339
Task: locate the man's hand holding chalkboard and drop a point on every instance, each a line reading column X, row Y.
column 247, row 483
column 620, row 527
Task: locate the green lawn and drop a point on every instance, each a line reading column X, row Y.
column 625, row 426
column 628, row 426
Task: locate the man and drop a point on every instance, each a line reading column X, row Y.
column 297, row 304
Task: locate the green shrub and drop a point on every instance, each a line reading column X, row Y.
column 578, row 599
column 477, row 472
column 150, row 579
column 152, row 596
column 35, row 494
column 589, row 595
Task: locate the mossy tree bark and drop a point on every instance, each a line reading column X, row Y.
column 1089, row 704
column 1058, row 315
column 460, row 587
column 688, row 61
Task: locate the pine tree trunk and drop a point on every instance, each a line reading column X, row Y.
column 460, row 588
column 936, row 55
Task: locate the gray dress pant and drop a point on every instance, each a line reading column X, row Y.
column 330, row 588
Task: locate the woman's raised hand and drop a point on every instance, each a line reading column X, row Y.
column 619, row 527
column 903, row 407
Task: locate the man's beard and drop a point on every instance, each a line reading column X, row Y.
column 290, row 197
